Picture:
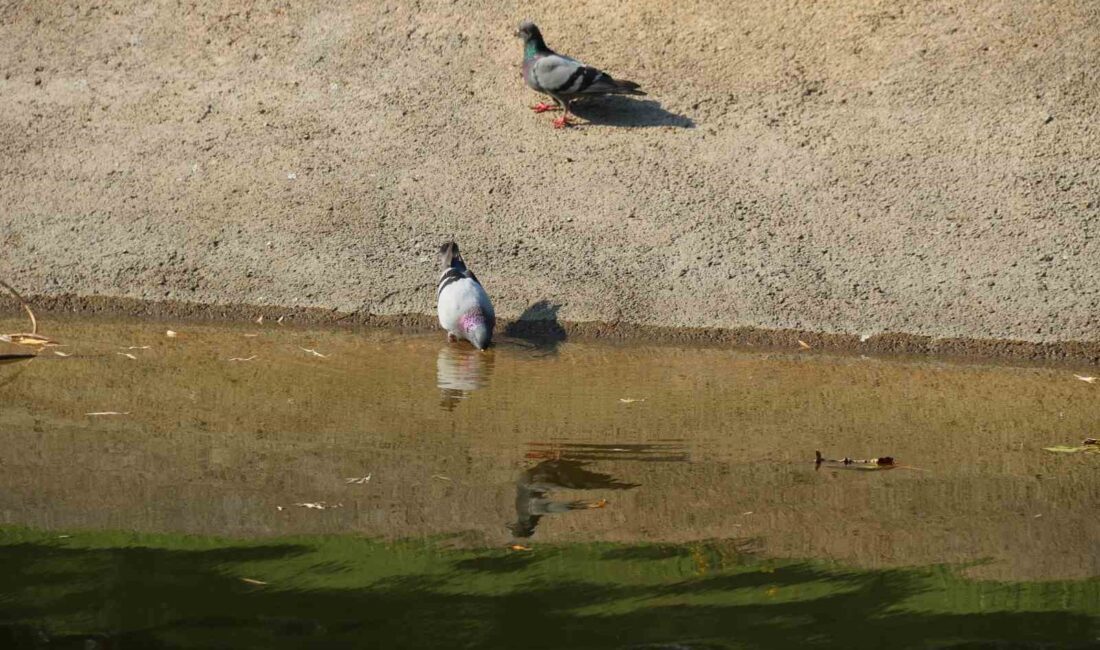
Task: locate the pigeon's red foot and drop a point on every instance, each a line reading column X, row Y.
column 562, row 122
column 542, row 107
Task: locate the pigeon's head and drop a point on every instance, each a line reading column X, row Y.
column 448, row 253
column 528, row 31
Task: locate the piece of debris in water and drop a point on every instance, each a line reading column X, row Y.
column 519, row 547
column 109, row 413
column 127, row 355
column 804, row 345
column 360, row 480
column 242, row 358
column 320, row 505
column 171, row 334
column 884, row 462
column 631, row 400
column 1088, row 445
column 1087, row 380
column 253, row 581
column 313, row 352
column 33, row 338
column 29, row 340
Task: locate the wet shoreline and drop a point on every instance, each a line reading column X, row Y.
column 887, row 343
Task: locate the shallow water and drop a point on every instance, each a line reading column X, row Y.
column 228, row 430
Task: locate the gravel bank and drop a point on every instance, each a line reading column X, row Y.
column 848, row 168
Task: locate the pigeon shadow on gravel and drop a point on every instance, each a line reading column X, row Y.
column 538, row 326
column 629, row 112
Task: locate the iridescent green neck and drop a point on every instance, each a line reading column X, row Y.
column 530, row 48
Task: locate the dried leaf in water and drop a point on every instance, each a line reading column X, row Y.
column 252, row 581
column 360, row 480
column 441, row 477
column 29, row 340
column 313, row 352
column 127, row 355
column 61, row 354
column 520, row 547
column 804, row 345
column 242, row 358
column 109, row 413
column 170, row 334
column 1065, row 449
column 1087, row 380
column 260, row 319
column 137, row 347
column 320, row 505
column 631, row 400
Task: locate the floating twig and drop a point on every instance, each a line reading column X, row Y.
column 31, row 339
column 885, row 462
column 23, row 303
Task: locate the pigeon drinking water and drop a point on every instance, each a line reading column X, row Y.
column 464, row 307
column 562, row 78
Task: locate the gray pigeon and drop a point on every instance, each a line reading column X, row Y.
column 562, row 78
column 464, row 308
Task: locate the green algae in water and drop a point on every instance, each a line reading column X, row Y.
column 338, row 591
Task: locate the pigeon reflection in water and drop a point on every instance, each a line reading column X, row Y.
column 535, row 484
column 562, row 465
column 460, row 371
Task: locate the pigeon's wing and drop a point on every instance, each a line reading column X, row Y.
column 558, row 74
column 483, row 298
column 561, row 75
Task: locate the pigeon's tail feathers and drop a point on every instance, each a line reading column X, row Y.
column 601, row 83
column 623, row 87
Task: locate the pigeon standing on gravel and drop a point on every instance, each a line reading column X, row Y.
column 562, row 78
column 464, row 307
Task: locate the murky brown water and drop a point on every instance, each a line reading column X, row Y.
column 524, row 441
